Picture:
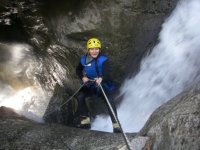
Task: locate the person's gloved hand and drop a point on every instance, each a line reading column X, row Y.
column 85, row 79
column 98, row 80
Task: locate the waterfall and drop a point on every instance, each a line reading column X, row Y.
column 171, row 67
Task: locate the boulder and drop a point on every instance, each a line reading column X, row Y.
column 17, row 132
column 176, row 124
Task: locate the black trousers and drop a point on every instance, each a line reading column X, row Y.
column 89, row 90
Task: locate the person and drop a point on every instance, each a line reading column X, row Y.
column 93, row 69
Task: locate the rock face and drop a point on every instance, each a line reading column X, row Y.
column 127, row 28
column 17, row 132
column 176, row 124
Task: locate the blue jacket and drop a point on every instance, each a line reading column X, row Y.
column 94, row 68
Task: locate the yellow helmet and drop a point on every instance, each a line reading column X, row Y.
column 93, row 43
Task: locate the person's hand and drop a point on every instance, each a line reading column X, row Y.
column 98, row 80
column 85, row 79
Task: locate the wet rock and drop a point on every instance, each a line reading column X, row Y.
column 21, row 133
column 127, row 29
column 176, row 124
column 7, row 112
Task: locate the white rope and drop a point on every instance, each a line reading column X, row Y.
column 58, row 108
column 111, row 109
column 72, row 95
column 116, row 119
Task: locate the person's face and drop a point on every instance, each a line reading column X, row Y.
column 94, row 52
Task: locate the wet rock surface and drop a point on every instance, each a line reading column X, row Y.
column 17, row 132
column 176, row 124
column 127, row 29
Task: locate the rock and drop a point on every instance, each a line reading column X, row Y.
column 21, row 133
column 176, row 124
column 7, row 112
column 127, row 29
column 139, row 142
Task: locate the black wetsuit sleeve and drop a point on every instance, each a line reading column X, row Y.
column 79, row 70
column 106, row 71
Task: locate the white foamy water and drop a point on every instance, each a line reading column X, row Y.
column 172, row 66
column 18, row 87
column 26, row 82
column 30, row 102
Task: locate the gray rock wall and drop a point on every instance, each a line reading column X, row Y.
column 176, row 124
column 127, row 29
column 173, row 126
column 20, row 133
column 60, row 29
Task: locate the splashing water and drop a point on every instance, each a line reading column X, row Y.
column 19, row 86
column 27, row 102
column 172, row 66
column 17, row 91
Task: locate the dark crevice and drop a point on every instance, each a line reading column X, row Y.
column 14, row 32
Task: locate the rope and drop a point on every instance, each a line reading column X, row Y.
column 111, row 109
column 72, row 95
column 116, row 119
column 66, row 101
